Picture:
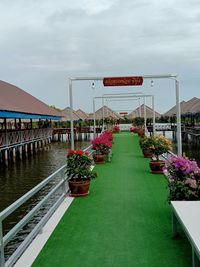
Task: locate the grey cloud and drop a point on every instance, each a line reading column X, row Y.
column 124, row 38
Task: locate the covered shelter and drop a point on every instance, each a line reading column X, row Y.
column 16, row 103
column 66, row 114
column 82, row 115
column 139, row 112
column 104, row 112
column 18, row 110
column 172, row 111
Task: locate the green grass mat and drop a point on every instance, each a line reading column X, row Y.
column 124, row 222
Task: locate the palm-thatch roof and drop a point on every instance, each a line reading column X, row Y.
column 81, row 114
column 136, row 113
column 172, row 111
column 65, row 113
column 107, row 113
column 190, row 106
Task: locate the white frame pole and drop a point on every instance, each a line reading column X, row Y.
column 154, row 117
column 71, row 113
column 145, row 116
column 178, row 118
column 103, row 114
column 162, row 76
column 94, row 119
column 126, row 98
column 140, row 111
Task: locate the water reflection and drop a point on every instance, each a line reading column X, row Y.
column 21, row 177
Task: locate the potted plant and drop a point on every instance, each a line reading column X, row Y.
column 110, row 121
column 133, row 129
column 116, row 129
column 160, row 145
column 79, row 170
column 139, row 123
column 145, row 144
column 101, row 146
column 183, row 176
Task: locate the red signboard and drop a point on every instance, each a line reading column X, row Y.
column 122, row 81
column 123, row 113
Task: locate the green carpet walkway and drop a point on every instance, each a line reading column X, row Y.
column 124, row 222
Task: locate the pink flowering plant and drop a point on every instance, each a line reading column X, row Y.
column 102, row 144
column 183, row 177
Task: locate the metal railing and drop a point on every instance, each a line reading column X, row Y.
column 17, row 137
column 59, row 187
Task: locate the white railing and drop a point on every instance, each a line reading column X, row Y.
column 17, row 137
column 58, row 191
column 125, row 127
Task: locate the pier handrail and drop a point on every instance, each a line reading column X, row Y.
column 4, row 240
column 13, row 138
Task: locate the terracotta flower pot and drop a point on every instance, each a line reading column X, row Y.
column 99, row 159
column 141, row 132
column 156, row 166
column 147, row 153
column 79, row 188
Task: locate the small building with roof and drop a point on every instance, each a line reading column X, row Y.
column 105, row 112
column 188, row 108
column 18, row 110
column 139, row 112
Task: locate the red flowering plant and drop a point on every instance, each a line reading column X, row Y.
column 183, row 176
column 107, row 135
column 102, row 144
column 79, row 165
column 116, row 129
column 133, row 130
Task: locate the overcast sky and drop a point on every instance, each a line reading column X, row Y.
column 42, row 43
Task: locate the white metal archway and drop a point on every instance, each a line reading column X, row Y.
column 145, row 77
column 121, row 96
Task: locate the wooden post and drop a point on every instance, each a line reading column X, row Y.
column 20, row 152
column 6, row 157
column 14, row 154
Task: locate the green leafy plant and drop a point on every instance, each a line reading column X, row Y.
column 159, row 145
column 138, row 121
column 145, row 142
column 79, row 165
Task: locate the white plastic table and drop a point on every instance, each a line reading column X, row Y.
column 187, row 213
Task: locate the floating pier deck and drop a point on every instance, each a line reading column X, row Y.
column 125, row 220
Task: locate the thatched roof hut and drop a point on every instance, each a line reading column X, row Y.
column 107, row 113
column 190, row 107
column 172, row 111
column 65, row 113
column 149, row 113
column 81, row 114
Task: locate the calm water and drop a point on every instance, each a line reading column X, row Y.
column 190, row 151
column 25, row 174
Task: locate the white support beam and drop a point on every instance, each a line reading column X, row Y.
column 161, row 76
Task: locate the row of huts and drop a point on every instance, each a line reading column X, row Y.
column 16, row 104
column 190, row 108
column 26, row 122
